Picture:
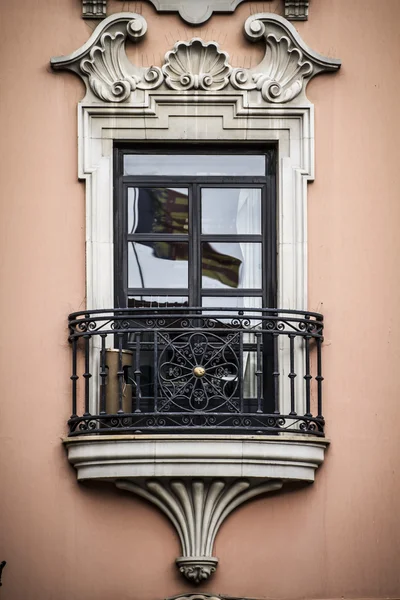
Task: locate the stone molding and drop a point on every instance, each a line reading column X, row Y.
column 109, row 76
column 288, row 457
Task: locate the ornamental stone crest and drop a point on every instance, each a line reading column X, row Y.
column 195, row 66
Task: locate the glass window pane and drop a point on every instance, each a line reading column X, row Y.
column 194, row 164
column 234, row 302
column 231, row 210
column 231, row 265
column 158, row 210
column 157, row 265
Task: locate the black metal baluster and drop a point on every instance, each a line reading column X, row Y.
column 103, row 374
column 74, row 377
column 87, row 375
column 259, row 372
column 308, row 376
column 137, row 372
column 155, row 375
column 319, row 377
column 276, row 373
column 241, row 390
column 120, row 374
column 292, row 376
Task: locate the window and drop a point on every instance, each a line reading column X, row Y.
column 195, row 227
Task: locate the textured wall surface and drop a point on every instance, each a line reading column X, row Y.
column 339, row 538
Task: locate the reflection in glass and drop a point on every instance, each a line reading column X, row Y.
column 153, row 302
column 158, row 265
column 231, row 211
column 234, row 302
column 158, row 210
column 231, row 265
column 194, row 164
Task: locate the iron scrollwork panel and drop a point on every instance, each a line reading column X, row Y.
column 199, row 371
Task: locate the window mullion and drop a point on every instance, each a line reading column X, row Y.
column 194, row 245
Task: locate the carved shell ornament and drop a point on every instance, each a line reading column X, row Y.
column 195, row 65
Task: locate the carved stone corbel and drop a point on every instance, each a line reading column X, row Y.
column 197, row 508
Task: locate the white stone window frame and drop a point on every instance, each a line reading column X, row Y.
column 267, row 104
column 292, row 131
column 197, row 96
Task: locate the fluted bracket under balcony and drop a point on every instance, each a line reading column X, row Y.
column 196, row 481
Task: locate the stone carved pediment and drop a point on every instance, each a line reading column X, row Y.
column 281, row 77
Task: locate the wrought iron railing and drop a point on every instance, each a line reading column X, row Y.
column 187, row 370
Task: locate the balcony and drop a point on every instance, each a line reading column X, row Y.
column 248, row 371
column 196, row 410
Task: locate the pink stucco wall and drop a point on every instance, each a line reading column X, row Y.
column 337, row 538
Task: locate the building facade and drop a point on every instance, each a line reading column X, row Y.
column 199, row 358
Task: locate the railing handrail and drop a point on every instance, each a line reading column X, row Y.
column 193, row 309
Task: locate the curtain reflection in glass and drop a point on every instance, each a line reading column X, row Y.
column 231, row 211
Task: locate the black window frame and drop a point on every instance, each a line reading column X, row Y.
column 268, row 236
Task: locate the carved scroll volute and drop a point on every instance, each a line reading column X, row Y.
column 102, row 62
column 288, row 64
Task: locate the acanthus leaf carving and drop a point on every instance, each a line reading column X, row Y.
column 288, row 63
column 103, row 64
column 107, row 77
column 285, row 72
